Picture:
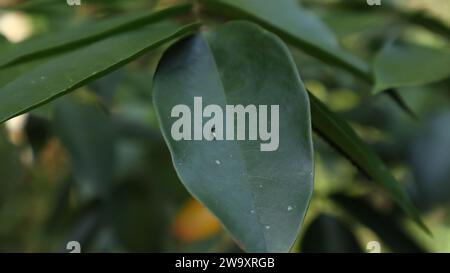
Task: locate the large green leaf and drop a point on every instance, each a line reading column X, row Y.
column 89, row 32
column 297, row 26
column 260, row 197
column 338, row 133
column 70, row 71
column 408, row 65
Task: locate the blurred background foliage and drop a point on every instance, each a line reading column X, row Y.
column 93, row 167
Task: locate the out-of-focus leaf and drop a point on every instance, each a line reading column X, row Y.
column 260, row 197
column 60, row 214
column 384, row 226
column 346, row 22
column 11, row 170
column 138, row 214
column 25, row 5
column 428, row 22
column 408, row 65
column 84, row 229
column 70, row 71
column 338, row 133
column 88, row 33
column 3, row 42
column 327, row 234
column 430, row 162
column 88, row 136
column 297, row 26
column 106, row 87
column 38, row 131
column 390, row 9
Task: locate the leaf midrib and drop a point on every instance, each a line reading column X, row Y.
column 241, row 156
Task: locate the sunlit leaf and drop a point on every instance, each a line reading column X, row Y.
column 260, row 197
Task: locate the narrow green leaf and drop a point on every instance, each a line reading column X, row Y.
column 65, row 73
column 408, row 65
column 260, row 197
column 8, row 74
column 297, row 26
column 338, row 133
column 398, row 99
column 87, row 33
column 384, row 226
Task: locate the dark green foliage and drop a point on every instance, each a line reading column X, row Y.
column 93, row 161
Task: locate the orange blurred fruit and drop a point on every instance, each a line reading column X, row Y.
column 195, row 223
